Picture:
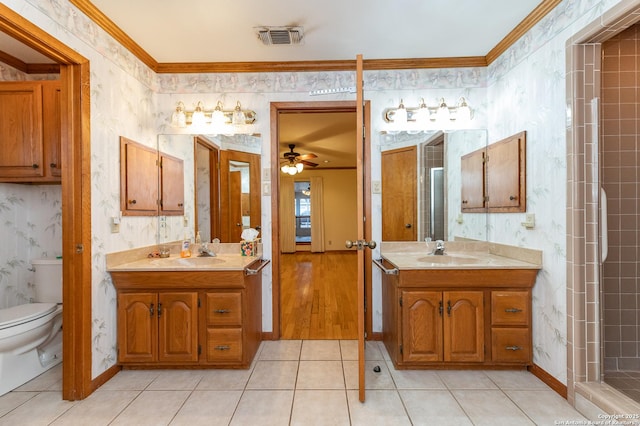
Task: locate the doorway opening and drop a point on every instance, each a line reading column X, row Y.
column 76, row 214
column 595, row 160
column 322, row 270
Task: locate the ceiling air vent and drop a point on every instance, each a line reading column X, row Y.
column 280, row 35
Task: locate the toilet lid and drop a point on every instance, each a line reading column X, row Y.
column 15, row 315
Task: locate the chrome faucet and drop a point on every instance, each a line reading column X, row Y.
column 205, row 251
column 439, row 250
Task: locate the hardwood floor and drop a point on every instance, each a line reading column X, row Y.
column 318, row 295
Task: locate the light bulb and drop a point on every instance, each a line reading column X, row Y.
column 443, row 112
column 217, row 116
column 299, row 167
column 238, row 118
column 285, row 168
column 464, row 112
column 400, row 116
column 422, row 115
column 197, row 118
column 292, row 170
column 179, row 118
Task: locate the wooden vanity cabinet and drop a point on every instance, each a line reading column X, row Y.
column 192, row 318
column 442, row 326
column 158, row 327
column 30, row 132
column 439, row 318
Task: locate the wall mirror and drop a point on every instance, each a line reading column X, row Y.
column 212, row 207
column 421, row 186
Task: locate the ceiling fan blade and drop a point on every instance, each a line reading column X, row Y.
column 307, row 156
column 308, row 163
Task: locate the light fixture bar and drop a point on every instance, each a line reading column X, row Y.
column 350, row 89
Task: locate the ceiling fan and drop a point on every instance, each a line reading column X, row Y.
column 295, row 162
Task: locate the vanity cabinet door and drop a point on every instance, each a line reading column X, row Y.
column 421, row 326
column 30, row 131
column 472, row 190
column 138, row 179
column 178, row 327
column 137, row 327
column 171, row 185
column 464, row 326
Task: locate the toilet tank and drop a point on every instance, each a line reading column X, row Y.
column 48, row 280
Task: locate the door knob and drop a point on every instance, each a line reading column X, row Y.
column 360, row 244
column 408, row 226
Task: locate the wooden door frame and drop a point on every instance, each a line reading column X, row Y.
column 311, row 107
column 76, row 199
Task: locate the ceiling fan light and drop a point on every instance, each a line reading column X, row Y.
column 299, row 167
column 285, row 168
column 292, row 170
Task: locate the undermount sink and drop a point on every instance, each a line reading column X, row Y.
column 188, row 261
column 452, row 259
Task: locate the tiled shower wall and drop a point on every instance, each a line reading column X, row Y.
column 620, row 173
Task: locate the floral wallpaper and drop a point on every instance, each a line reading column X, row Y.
column 522, row 90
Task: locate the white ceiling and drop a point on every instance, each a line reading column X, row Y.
column 223, row 30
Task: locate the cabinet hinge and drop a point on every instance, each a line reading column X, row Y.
column 400, row 349
column 486, row 198
column 199, row 349
column 401, row 301
column 198, row 302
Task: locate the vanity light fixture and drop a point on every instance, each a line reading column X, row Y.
column 221, row 120
column 440, row 115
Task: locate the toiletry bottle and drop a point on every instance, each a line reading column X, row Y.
column 198, row 239
column 185, row 251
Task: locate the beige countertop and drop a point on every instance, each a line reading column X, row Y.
column 460, row 255
column 228, row 258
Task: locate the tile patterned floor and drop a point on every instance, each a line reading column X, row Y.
column 296, row 383
column 627, row 382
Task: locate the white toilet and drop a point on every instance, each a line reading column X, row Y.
column 31, row 334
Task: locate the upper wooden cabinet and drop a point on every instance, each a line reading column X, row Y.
column 151, row 183
column 171, row 185
column 30, row 130
column 494, row 179
column 138, row 179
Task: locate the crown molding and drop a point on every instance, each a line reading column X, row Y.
column 525, row 25
column 112, row 29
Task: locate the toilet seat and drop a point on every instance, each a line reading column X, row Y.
column 16, row 315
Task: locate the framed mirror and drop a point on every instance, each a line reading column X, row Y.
column 426, row 168
column 209, row 162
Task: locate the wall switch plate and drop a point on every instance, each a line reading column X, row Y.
column 266, row 175
column 529, row 221
column 115, row 225
column 376, row 187
column 266, row 188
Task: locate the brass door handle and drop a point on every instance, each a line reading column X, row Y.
column 360, row 244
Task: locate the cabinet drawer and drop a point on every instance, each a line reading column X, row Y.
column 511, row 345
column 224, row 308
column 510, row 308
column 224, row 344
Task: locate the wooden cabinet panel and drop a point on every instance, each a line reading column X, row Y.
column 137, row 327
column 178, row 326
column 422, row 326
column 506, row 183
column 224, row 344
column 138, row 179
column 472, row 178
column 21, row 141
column 224, row 309
column 51, row 128
column 510, row 308
column 171, row 185
column 511, row 345
column 464, row 326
